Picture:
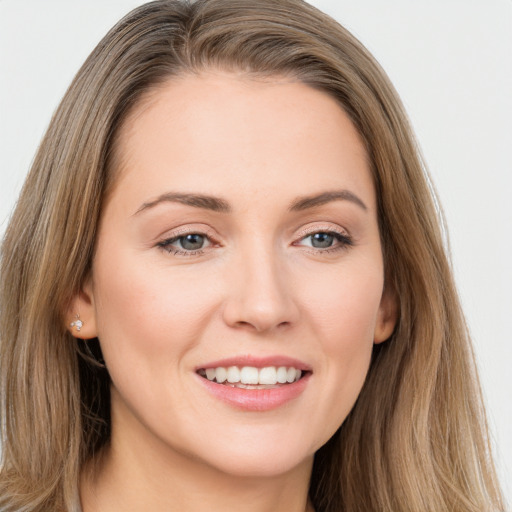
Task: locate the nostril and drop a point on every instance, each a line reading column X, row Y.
column 261, row 326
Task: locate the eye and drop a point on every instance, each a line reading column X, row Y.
column 192, row 242
column 189, row 243
column 326, row 240
column 322, row 240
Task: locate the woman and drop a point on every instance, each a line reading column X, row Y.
column 224, row 284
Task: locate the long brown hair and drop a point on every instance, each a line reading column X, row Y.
column 416, row 438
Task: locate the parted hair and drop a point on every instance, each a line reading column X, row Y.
column 416, row 439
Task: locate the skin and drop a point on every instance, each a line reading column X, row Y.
column 257, row 287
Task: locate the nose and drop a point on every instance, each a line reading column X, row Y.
column 260, row 296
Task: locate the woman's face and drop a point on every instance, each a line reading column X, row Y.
column 240, row 242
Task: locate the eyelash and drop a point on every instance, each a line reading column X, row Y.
column 343, row 242
column 167, row 246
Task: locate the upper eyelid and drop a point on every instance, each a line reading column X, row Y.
column 172, row 239
column 176, row 233
column 311, row 230
column 343, row 239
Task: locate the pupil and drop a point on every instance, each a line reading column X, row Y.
column 322, row 240
column 192, row 242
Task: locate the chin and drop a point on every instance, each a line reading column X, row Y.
column 258, row 456
column 268, row 466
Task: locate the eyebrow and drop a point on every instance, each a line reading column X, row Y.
column 306, row 202
column 217, row 204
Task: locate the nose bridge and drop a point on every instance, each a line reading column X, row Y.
column 260, row 296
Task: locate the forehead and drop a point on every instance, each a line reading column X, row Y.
column 219, row 131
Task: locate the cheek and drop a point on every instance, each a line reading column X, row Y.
column 349, row 329
column 147, row 309
column 344, row 305
column 343, row 315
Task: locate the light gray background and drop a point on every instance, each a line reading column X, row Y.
column 451, row 61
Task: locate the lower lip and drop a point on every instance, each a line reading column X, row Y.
column 256, row 399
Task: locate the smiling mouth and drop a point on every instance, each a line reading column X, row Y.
column 250, row 377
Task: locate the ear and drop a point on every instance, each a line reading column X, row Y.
column 386, row 317
column 82, row 308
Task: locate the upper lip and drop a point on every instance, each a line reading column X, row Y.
column 257, row 362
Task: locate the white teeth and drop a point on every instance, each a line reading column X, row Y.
column 250, row 376
column 221, row 374
column 282, row 372
column 233, row 374
column 268, row 375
